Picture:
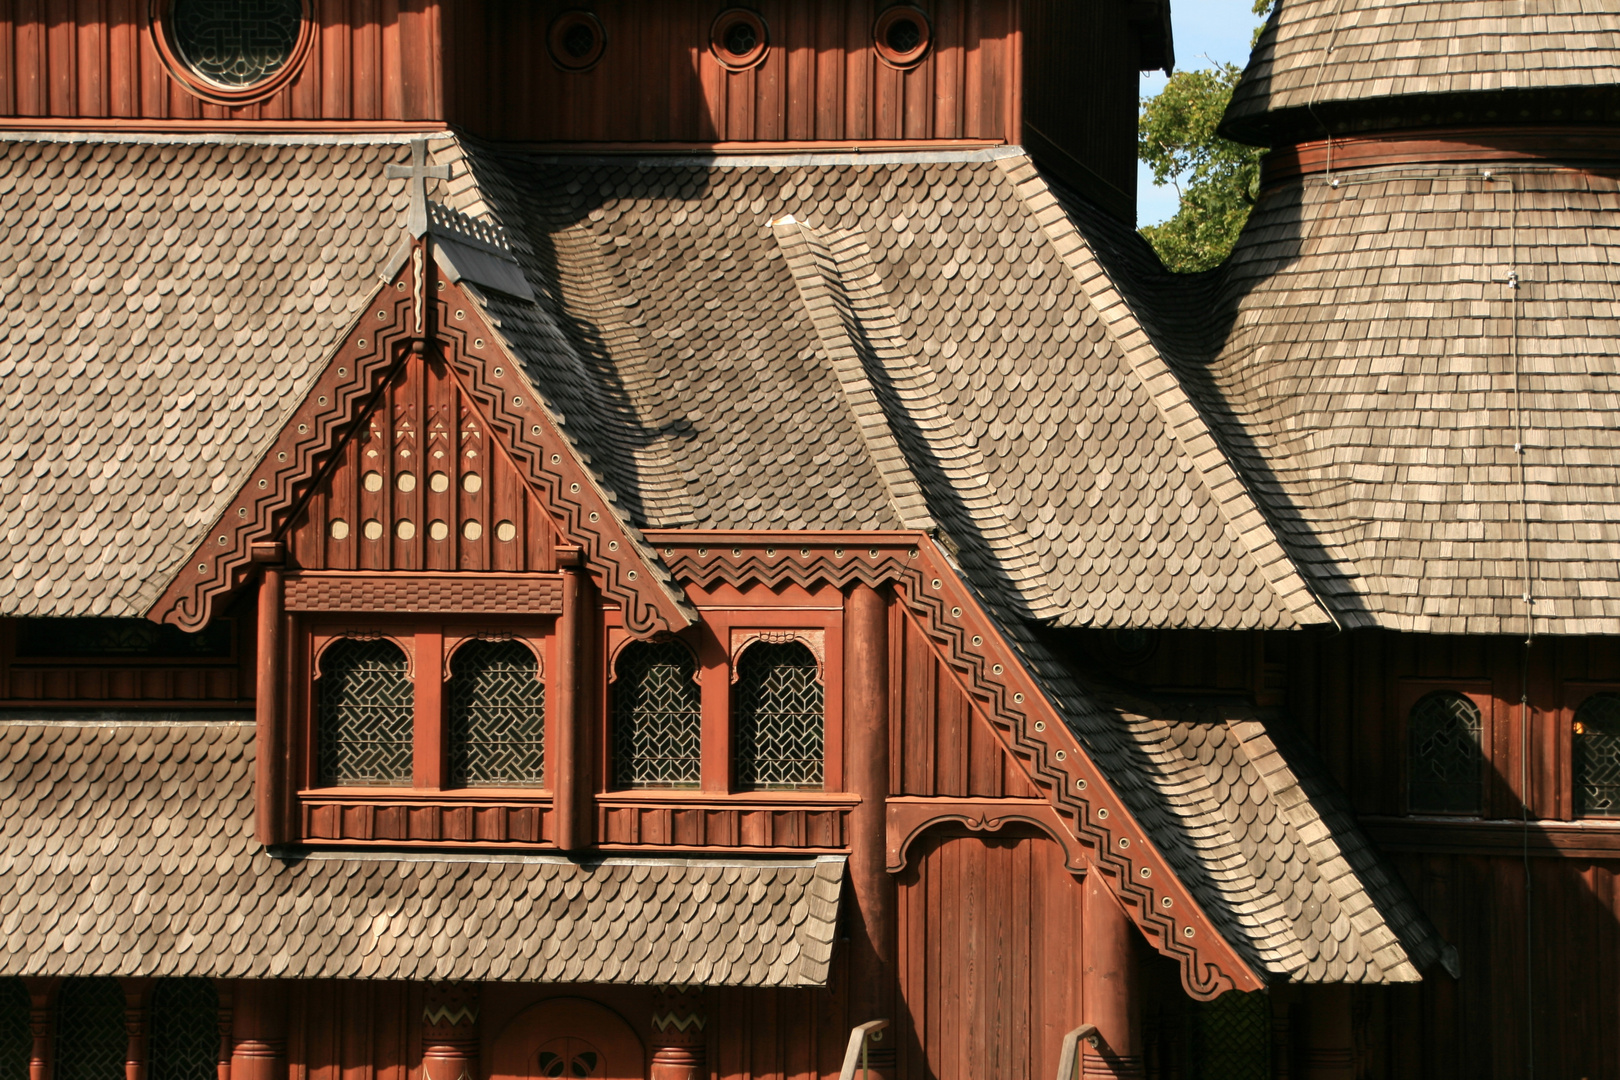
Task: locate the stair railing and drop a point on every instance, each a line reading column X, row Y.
column 1069, row 1057
column 856, row 1056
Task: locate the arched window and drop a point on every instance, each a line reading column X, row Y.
column 16, row 1037
column 780, row 716
column 1445, row 765
column 91, row 1040
column 1597, row 756
column 657, row 717
column 184, row 1030
column 366, row 714
column 497, row 716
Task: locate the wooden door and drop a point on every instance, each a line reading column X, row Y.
column 568, row 1039
column 990, row 966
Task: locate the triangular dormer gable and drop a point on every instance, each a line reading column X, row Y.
column 423, row 447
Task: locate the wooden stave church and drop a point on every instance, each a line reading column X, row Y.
column 1068, row 543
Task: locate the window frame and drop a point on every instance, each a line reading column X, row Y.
column 1573, row 696
column 1480, row 693
column 730, row 619
column 429, row 643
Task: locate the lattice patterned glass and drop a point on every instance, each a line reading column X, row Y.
column 1597, row 756
column 235, row 43
column 366, row 712
column 90, row 1036
column 1230, row 1038
column 657, row 717
column 780, row 717
column 184, row 1021
column 16, row 1037
column 497, row 716
column 1444, row 760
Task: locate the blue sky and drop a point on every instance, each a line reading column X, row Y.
column 1206, row 30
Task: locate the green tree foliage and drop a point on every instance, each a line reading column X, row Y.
column 1217, row 179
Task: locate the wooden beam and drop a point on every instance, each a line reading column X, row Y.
column 569, row 766
column 270, row 780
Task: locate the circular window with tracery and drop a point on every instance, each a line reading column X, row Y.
column 901, row 36
column 234, row 50
column 576, row 40
column 739, row 38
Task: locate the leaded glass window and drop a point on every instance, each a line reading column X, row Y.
column 1445, row 763
column 657, row 717
column 184, row 1021
column 780, row 717
column 1230, row 1038
column 497, row 716
column 91, row 1039
column 366, row 707
column 235, row 43
column 1597, row 756
column 16, row 1037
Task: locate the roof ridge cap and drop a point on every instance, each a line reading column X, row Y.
column 825, row 296
column 1237, row 505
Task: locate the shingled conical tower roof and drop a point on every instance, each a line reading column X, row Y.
column 1345, row 66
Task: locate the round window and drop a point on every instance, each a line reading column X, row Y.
column 576, row 40
column 901, row 36
column 236, row 44
column 739, row 39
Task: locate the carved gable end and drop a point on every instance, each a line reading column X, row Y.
column 421, row 447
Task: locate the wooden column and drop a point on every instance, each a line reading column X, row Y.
column 1110, row 985
column 226, row 989
column 41, row 996
column 570, row 790
column 866, row 773
column 270, row 779
column 137, row 995
column 677, row 1035
column 1328, row 1041
column 450, row 1032
column 259, row 1031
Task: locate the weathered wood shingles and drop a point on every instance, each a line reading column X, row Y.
column 126, row 847
column 1317, row 52
column 167, row 303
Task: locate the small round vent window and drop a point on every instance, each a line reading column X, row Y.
column 236, row 44
column 901, row 36
column 576, row 40
column 739, row 39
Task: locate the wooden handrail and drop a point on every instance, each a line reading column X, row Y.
column 855, row 1055
column 1069, row 1058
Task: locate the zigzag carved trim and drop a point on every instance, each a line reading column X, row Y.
column 992, row 672
column 341, row 399
column 624, row 570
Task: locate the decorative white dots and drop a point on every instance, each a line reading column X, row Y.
column 1187, row 932
column 1018, row 698
column 1080, row 784
column 555, row 458
column 1166, row 902
column 241, row 511
column 406, row 481
column 977, row 640
column 517, row 402
column 478, row 343
column 1102, row 813
column 373, row 529
column 574, row 488
column 405, row 529
column 956, row 613
column 438, row 530
column 439, row 482
column 838, row 553
column 535, row 430
column 282, row 456
column 223, row 541
column 1147, row 871
column 1040, row 725
column 1124, row 842
column 472, row 483
column 460, row 314
column 996, row 669
column 321, row 400
column 632, row 575
column 595, row 516
column 499, row 371
column 342, row 371
column 372, row 481
column 613, row 545
column 736, row 553
column 264, row 483
column 934, row 584
column 472, row 530
column 303, row 429
column 1062, row 756
column 339, row 529
column 505, row 532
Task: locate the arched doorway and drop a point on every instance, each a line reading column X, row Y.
column 568, row 1039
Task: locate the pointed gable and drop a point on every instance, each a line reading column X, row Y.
column 423, row 447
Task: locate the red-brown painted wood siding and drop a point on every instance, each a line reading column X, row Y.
column 938, row 744
column 658, row 81
column 171, row 683
column 991, row 949
column 376, row 60
column 424, row 461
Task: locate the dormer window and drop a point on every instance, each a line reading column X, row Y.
column 367, row 714
column 497, row 716
column 781, row 717
column 657, row 717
